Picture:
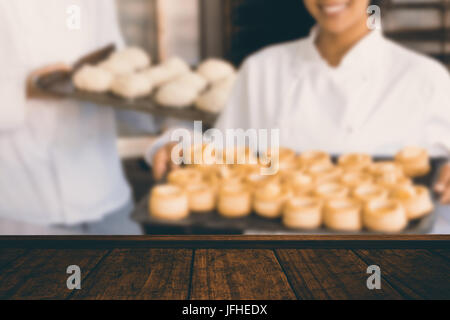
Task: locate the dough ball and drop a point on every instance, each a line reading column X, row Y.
column 192, row 79
column 176, row 95
column 167, row 71
column 135, row 56
column 132, row 86
column 117, row 66
column 216, row 98
column 214, row 70
column 177, row 65
column 94, row 79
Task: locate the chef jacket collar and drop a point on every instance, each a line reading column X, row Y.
column 363, row 56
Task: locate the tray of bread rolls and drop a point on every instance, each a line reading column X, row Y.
column 127, row 79
column 312, row 193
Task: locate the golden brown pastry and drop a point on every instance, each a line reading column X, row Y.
column 414, row 161
column 369, row 192
column 269, row 200
column 308, row 158
column 415, row 199
column 202, row 198
column 285, row 159
column 354, row 179
column 343, row 214
column 331, row 190
column 169, row 202
column 234, row 200
column 355, row 161
column 303, row 213
column 323, row 172
column 182, row 177
column 385, row 216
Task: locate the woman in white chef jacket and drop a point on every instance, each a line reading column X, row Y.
column 59, row 164
column 342, row 89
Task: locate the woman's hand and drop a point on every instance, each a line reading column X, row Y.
column 162, row 161
column 443, row 185
column 31, row 90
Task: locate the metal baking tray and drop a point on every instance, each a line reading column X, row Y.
column 213, row 223
column 60, row 84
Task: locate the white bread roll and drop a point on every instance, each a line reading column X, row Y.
column 131, row 86
column 93, row 79
column 176, row 95
column 214, row 70
column 135, row 56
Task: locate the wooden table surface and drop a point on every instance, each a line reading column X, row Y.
column 225, row 267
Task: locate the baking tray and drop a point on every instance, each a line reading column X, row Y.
column 60, row 84
column 213, row 223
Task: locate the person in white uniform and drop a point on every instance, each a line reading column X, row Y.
column 59, row 163
column 343, row 89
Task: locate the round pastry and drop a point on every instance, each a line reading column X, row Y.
column 202, row 198
column 214, row 100
column 257, row 180
column 323, row 172
column 355, row 161
column 183, row 177
column 167, row 71
column 169, row 202
column 93, row 79
column 191, row 79
column 131, row 86
column 415, row 199
column 234, row 200
column 314, row 157
column 386, row 169
column 136, row 57
column 354, row 179
column 331, row 190
column 343, row 214
column 117, row 66
column 414, row 161
column 269, row 200
column 214, row 70
column 384, row 216
column 176, row 95
column 284, row 157
column 303, row 213
column 298, row 179
column 392, row 181
column 369, row 192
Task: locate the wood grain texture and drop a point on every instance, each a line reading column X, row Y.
column 7, row 256
column 140, row 274
column 416, row 274
column 41, row 274
column 329, row 274
column 238, row 274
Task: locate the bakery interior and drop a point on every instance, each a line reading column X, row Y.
column 232, row 30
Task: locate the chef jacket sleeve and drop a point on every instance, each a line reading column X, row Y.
column 12, row 74
column 438, row 125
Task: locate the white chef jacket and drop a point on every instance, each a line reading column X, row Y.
column 381, row 98
column 59, row 162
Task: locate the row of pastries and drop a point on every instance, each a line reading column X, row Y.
column 129, row 74
column 309, row 191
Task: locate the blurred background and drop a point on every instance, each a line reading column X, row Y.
column 233, row 29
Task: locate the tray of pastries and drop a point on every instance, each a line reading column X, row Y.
column 312, row 192
column 127, row 79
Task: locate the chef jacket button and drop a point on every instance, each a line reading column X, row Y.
column 350, row 130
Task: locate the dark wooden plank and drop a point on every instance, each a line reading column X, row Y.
column 238, row 274
column 7, row 256
column 41, row 274
column 442, row 252
column 330, row 274
column 140, row 274
column 416, row 274
column 263, row 242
